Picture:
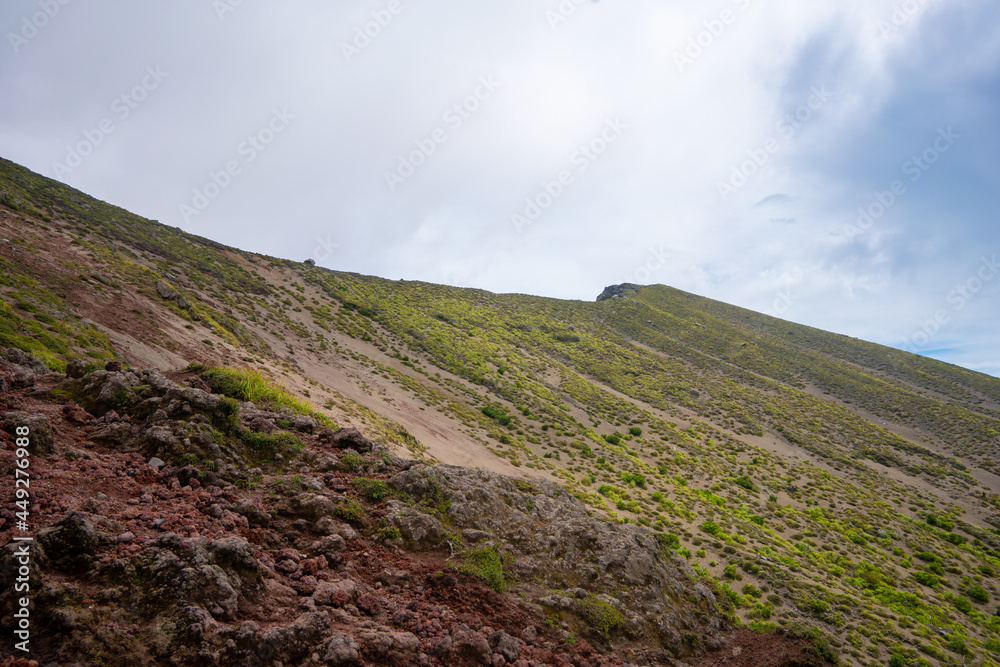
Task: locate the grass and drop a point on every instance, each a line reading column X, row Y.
column 644, row 407
column 486, row 563
column 247, row 384
column 601, row 615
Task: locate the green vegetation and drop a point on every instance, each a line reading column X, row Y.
column 655, row 408
column 247, row 384
column 486, row 563
column 601, row 615
column 371, row 489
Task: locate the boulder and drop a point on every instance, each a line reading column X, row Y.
column 41, row 436
column 217, row 574
column 293, row 642
column 389, row 648
column 21, row 361
column 468, row 648
column 339, row 651
column 72, row 543
column 102, row 391
column 351, row 438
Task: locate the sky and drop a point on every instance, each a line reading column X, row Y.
column 833, row 163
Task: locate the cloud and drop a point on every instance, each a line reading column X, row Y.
column 814, row 109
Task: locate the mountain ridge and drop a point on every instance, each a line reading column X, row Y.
column 740, row 435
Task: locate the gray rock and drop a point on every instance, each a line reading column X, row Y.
column 102, row 391
column 254, row 515
column 216, row 574
column 468, row 649
column 165, row 291
column 418, row 530
column 76, row 369
column 72, row 543
column 23, row 362
column 339, row 651
column 304, row 424
column 156, row 463
column 41, row 437
column 391, row 648
column 351, row 438
column 310, row 506
column 507, row 646
column 293, row 642
column 114, row 434
column 335, row 593
column 160, row 441
column 549, row 536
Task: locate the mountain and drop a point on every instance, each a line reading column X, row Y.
column 778, row 477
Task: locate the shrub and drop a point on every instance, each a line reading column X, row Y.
column 761, row 611
column 668, row 541
column 497, row 415
column 751, row 591
column 349, row 511
column 386, row 533
column 962, row 604
column 635, row 431
column 745, row 482
column 602, row 616
column 352, row 460
column 978, row 594
column 926, row 578
column 486, row 563
column 815, row 606
column 711, row 528
column 372, row 489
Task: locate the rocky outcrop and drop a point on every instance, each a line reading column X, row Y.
column 549, row 536
column 618, row 291
column 216, row 574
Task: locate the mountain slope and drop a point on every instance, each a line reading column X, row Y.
column 814, row 476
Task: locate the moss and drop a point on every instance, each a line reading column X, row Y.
column 371, row 489
column 601, row 615
column 486, row 563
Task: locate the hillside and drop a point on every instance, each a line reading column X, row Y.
column 809, row 478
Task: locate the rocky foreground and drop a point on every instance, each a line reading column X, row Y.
column 175, row 526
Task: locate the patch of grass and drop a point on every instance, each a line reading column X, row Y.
column 601, row 616
column 371, row 489
column 350, row 511
column 486, row 563
column 352, row 460
column 247, row 384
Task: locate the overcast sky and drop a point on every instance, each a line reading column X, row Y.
column 834, row 163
